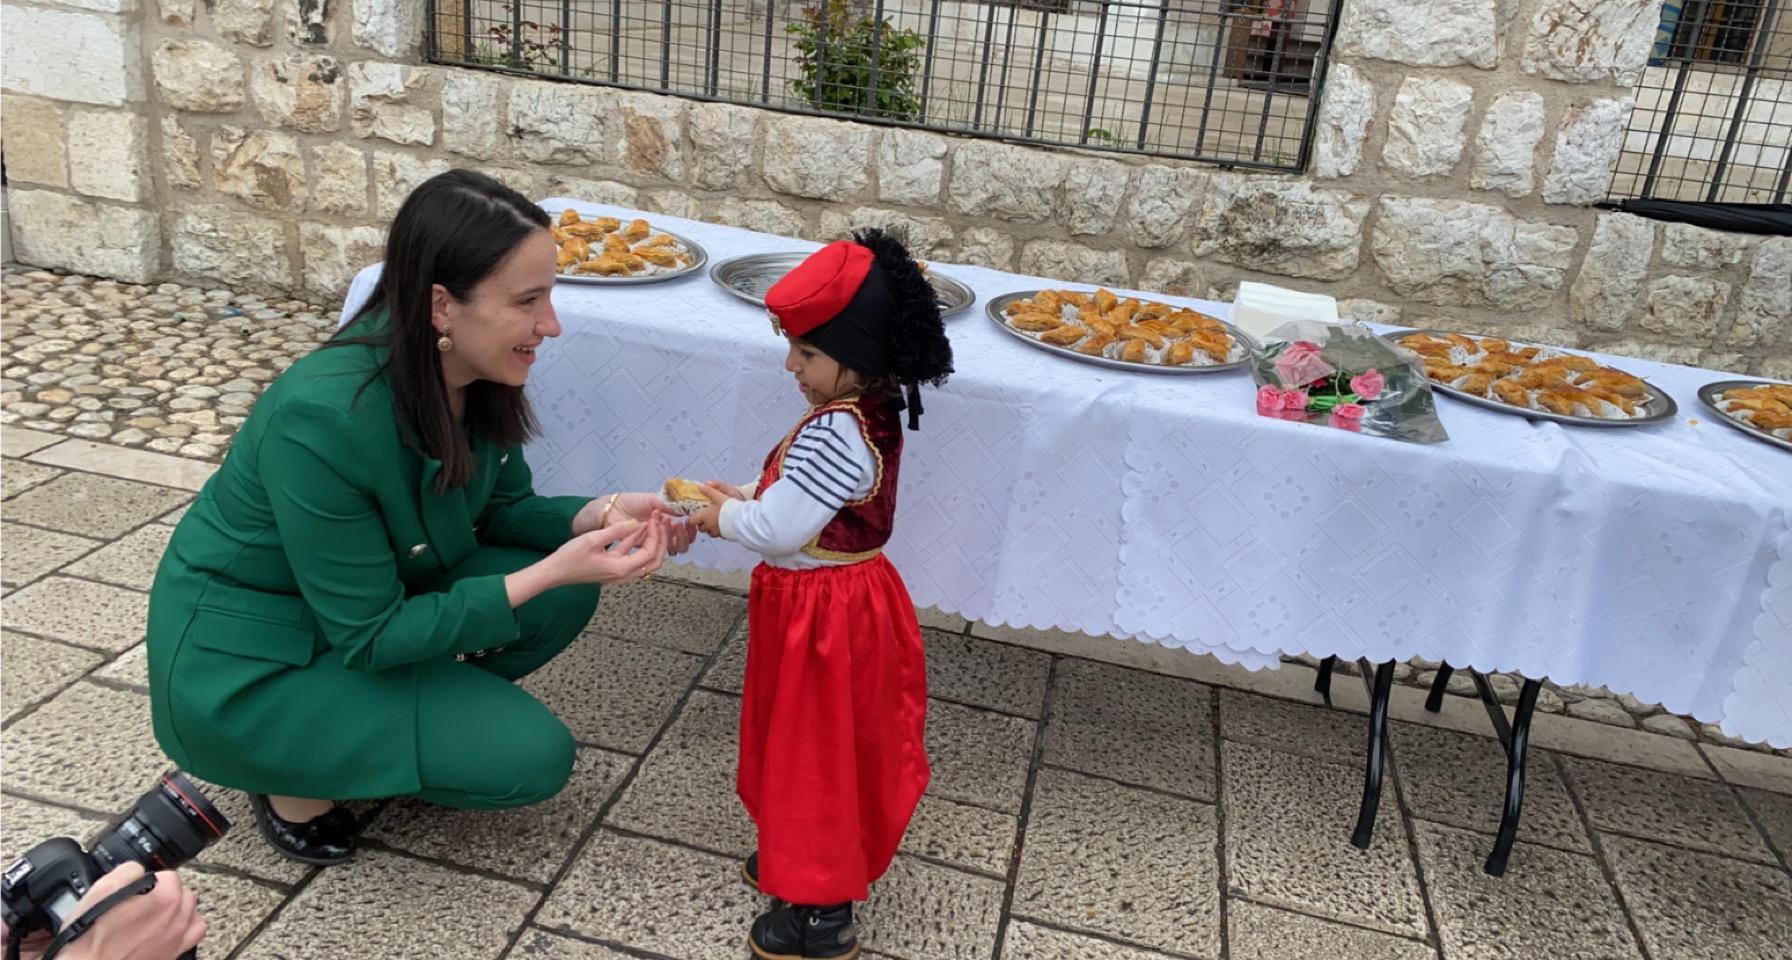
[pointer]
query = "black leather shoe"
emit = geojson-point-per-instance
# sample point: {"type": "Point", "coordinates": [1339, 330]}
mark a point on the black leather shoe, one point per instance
{"type": "Point", "coordinates": [323, 840]}
{"type": "Point", "coordinates": [798, 932]}
{"type": "Point", "coordinates": [749, 870]}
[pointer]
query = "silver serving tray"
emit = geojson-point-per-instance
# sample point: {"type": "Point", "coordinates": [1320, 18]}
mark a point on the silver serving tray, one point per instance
{"type": "Point", "coordinates": [997, 308]}
{"type": "Point", "coordinates": [1662, 407]}
{"type": "Point", "coordinates": [749, 277]}
{"type": "Point", "coordinates": [699, 257]}
{"type": "Point", "coordinates": [1708, 394]}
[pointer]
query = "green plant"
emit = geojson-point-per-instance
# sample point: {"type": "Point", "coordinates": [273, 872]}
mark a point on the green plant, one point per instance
{"type": "Point", "coordinates": [1102, 136]}
{"type": "Point", "coordinates": [838, 51]}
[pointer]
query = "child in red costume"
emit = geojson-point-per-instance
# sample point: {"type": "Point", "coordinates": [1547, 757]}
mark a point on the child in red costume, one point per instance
{"type": "Point", "coordinates": [832, 758]}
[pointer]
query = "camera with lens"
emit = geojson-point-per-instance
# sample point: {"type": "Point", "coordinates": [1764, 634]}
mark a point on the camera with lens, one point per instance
{"type": "Point", "coordinates": [164, 829]}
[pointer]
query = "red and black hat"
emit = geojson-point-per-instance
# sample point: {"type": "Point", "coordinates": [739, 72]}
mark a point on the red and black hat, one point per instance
{"type": "Point", "coordinates": [866, 303]}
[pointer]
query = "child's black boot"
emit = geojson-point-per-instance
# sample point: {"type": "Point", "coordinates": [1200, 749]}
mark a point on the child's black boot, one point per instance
{"type": "Point", "coordinates": [797, 932]}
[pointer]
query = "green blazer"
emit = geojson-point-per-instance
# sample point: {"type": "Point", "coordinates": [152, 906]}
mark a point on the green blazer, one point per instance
{"type": "Point", "coordinates": [311, 577]}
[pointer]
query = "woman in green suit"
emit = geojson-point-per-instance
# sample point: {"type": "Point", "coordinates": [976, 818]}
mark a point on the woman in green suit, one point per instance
{"type": "Point", "coordinates": [344, 608]}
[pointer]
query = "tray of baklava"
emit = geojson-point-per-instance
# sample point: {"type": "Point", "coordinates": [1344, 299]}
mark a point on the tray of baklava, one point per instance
{"type": "Point", "coordinates": [1534, 380]}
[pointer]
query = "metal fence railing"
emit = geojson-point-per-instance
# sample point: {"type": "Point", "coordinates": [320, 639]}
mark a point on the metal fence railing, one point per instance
{"type": "Point", "coordinates": [1713, 117]}
{"type": "Point", "coordinates": [1234, 82]}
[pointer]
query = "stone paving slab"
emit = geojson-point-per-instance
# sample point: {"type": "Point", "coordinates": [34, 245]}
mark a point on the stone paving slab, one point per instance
{"type": "Point", "coordinates": [978, 757]}
{"type": "Point", "coordinates": [22, 442]}
{"type": "Point", "coordinates": [400, 907]}
{"type": "Point", "coordinates": [1549, 903]}
{"type": "Point", "coordinates": [80, 612]}
{"type": "Point", "coordinates": [685, 788]}
{"type": "Point", "coordinates": [1258, 932]}
{"type": "Point", "coordinates": [1699, 814]}
{"type": "Point", "coordinates": [979, 673]}
{"type": "Point", "coordinates": [17, 476]}
{"type": "Point", "coordinates": [1774, 810]}
{"type": "Point", "coordinates": [34, 670]}
{"type": "Point", "coordinates": [613, 693]}
{"type": "Point", "coordinates": [90, 747]}
{"type": "Point", "coordinates": [1750, 768]}
{"type": "Point", "coordinates": [32, 552]}
{"type": "Point", "coordinates": [1331, 735]}
{"type": "Point", "coordinates": [1135, 727]}
{"type": "Point", "coordinates": [529, 844]}
{"type": "Point", "coordinates": [669, 615]}
{"type": "Point", "coordinates": [127, 562]}
{"type": "Point", "coordinates": [1288, 824]}
{"type": "Point", "coordinates": [90, 505]}
{"type": "Point", "coordinates": [128, 669]}
{"type": "Point", "coordinates": [729, 669]}
{"type": "Point", "coordinates": [142, 465]}
{"type": "Point", "coordinates": [965, 836]}
{"type": "Point", "coordinates": [922, 911]}
{"type": "Point", "coordinates": [1030, 941]}
{"type": "Point", "coordinates": [541, 945]}
{"type": "Point", "coordinates": [1460, 780]}
{"type": "Point", "coordinates": [671, 900]}
{"type": "Point", "coordinates": [26, 823]}
{"type": "Point", "coordinates": [1698, 906]}
{"type": "Point", "coordinates": [1121, 861]}
{"type": "Point", "coordinates": [232, 907]}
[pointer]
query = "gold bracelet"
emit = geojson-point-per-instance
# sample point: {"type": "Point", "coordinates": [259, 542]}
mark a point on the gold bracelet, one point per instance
{"type": "Point", "coordinates": [603, 518]}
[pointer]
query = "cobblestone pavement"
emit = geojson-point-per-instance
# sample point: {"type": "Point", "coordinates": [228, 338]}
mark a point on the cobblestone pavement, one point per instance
{"type": "Point", "coordinates": [170, 368]}
{"type": "Point", "coordinates": [1091, 797]}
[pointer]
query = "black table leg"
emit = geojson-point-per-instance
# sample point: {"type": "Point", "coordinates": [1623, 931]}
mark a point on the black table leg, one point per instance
{"type": "Point", "coordinates": [1378, 741]}
{"type": "Point", "coordinates": [1516, 747]}
{"type": "Point", "coordinates": [1434, 701]}
{"type": "Point", "coordinates": [1322, 685]}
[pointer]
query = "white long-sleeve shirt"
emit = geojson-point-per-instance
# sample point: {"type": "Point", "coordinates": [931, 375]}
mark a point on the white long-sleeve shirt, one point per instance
{"type": "Point", "coordinates": [827, 466]}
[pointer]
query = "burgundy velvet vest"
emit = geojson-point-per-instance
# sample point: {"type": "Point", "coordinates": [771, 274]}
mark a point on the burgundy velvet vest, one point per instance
{"type": "Point", "coordinates": [861, 528]}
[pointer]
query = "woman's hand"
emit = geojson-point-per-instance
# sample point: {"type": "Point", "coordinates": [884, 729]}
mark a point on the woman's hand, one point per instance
{"type": "Point", "coordinates": [623, 552]}
{"type": "Point", "coordinates": [640, 507]}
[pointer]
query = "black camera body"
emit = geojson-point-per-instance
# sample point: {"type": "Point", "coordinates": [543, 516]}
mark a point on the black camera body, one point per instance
{"type": "Point", "coordinates": [164, 829]}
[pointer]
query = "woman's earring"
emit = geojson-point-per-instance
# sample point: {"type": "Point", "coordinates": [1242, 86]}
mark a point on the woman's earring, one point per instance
{"type": "Point", "coordinates": [446, 343]}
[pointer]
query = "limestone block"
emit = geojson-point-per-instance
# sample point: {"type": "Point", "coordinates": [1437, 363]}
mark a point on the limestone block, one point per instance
{"type": "Point", "coordinates": [1283, 226]}
{"type": "Point", "coordinates": [1452, 253]}
{"type": "Point", "coordinates": [1506, 148]}
{"type": "Point", "coordinates": [383, 103]}
{"type": "Point", "coordinates": [1606, 293]}
{"type": "Point", "coordinates": [1587, 147]}
{"type": "Point", "coordinates": [108, 154]}
{"type": "Point", "coordinates": [812, 157]}
{"type": "Point", "coordinates": [198, 75]}
{"type": "Point", "coordinates": [1586, 41]}
{"type": "Point", "coordinates": [1425, 127]}
{"type": "Point", "coordinates": [300, 92]}
{"type": "Point", "coordinates": [1344, 114]}
{"type": "Point", "coordinates": [56, 230]}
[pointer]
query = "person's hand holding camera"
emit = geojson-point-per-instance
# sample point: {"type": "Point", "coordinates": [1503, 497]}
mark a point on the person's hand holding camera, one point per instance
{"type": "Point", "coordinates": [159, 925]}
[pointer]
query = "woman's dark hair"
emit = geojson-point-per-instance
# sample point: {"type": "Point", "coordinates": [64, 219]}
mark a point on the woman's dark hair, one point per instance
{"type": "Point", "coordinates": [453, 230]}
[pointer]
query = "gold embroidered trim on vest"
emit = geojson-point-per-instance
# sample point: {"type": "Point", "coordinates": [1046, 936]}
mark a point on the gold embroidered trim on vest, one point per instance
{"type": "Point", "coordinates": [835, 556]}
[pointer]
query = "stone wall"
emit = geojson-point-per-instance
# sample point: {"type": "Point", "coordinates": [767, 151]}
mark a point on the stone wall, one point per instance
{"type": "Point", "coordinates": [263, 144]}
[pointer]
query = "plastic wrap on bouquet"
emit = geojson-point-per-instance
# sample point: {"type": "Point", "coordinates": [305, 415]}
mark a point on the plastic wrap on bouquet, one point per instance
{"type": "Point", "coordinates": [1344, 376]}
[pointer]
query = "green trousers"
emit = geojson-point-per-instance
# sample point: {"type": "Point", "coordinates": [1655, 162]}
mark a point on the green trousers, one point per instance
{"type": "Point", "coordinates": [483, 743]}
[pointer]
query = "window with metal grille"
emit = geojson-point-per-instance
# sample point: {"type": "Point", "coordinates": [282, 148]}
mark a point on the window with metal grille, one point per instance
{"type": "Point", "coordinates": [1234, 82]}
{"type": "Point", "coordinates": [1713, 117]}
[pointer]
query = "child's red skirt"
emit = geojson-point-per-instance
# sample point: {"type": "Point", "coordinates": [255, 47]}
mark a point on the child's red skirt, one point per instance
{"type": "Point", "coordinates": [833, 757]}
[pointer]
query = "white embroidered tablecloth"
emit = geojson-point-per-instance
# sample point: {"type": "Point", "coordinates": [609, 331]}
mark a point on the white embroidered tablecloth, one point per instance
{"type": "Point", "coordinates": [1047, 493]}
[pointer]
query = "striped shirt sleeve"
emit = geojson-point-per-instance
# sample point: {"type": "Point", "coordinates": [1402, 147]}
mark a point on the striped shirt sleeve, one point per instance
{"type": "Point", "coordinates": [827, 466]}
{"type": "Point", "coordinates": [830, 462]}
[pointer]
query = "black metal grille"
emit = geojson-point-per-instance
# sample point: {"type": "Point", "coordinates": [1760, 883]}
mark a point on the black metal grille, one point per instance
{"type": "Point", "coordinates": [1234, 82]}
{"type": "Point", "coordinates": [1713, 118]}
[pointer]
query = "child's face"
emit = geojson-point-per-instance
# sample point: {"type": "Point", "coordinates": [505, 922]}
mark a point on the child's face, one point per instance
{"type": "Point", "coordinates": [820, 377]}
